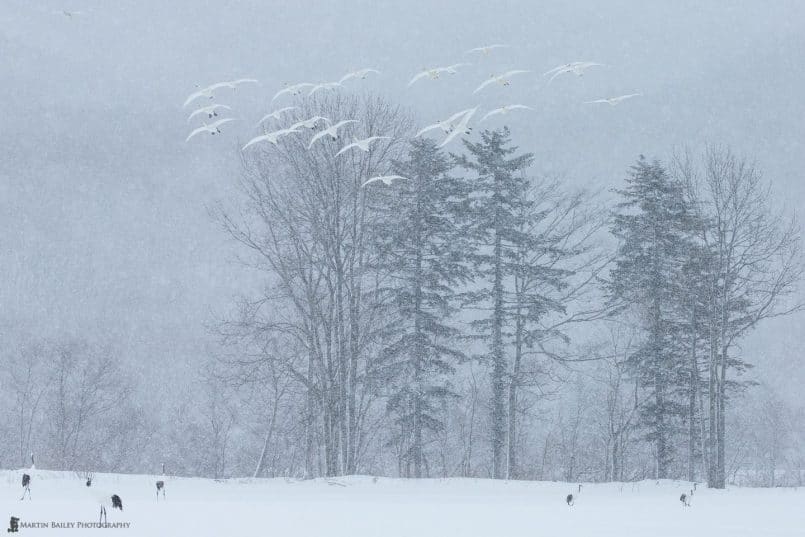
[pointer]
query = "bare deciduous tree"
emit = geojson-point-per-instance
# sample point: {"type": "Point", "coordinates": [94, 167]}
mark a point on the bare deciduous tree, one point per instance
{"type": "Point", "coordinates": [755, 263]}
{"type": "Point", "coordinates": [307, 220]}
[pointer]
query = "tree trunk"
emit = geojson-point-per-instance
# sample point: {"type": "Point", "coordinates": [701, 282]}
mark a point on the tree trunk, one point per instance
{"type": "Point", "coordinates": [418, 360]}
{"type": "Point", "coordinates": [712, 411]}
{"type": "Point", "coordinates": [498, 359]}
{"type": "Point", "coordinates": [511, 467]}
{"type": "Point", "coordinates": [692, 400]}
{"type": "Point", "coordinates": [721, 473]}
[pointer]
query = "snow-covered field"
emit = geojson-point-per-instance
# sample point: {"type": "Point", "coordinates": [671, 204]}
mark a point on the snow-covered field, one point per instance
{"type": "Point", "coordinates": [358, 506]}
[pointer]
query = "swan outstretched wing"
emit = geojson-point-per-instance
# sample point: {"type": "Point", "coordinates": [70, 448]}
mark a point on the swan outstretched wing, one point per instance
{"type": "Point", "coordinates": [255, 140]}
{"type": "Point", "coordinates": [347, 148]}
{"type": "Point", "coordinates": [586, 65]}
{"type": "Point", "coordinates": [203, 92]}
{"type": "Point", "coordinates": [486, 48]}
{"type": "Point", "coordinates": [504, 109]}
{"type": "Point", "coordinates": [276, 113]}
{"type": "Point", "coordinates": [244, 81]}
{"type": "Point", "coordinates": [318, 136]}
{"type": "Point", "coordinates": [565, 66]}
{"type": "Point", "coordinates": [324, 85]}
{"type": "Point", "coordinates": [342, 123]}
{"type": "Point", "coordinates": [629, 96]}
{"type": "Point", "coordinates": [485, 84]}
{"type": "Point", "coordinates": [513, 72]}
{"type": "Point", "coordinates": [420, 76]}
{"type": "Point", "coordinates": [560, 72]}
{"type": "Point", "coordinates": [614, 100]}
{"type": "Point", "coordinates": [361, 144]}
{"type": "Point", "coordinates": [386, 179]}
{"type": "Point", "coordinates": [428, 128]}
{"type": "Point", "coordinates": [199, 130]}
{"type": "Point", "coordinates": [452, 69]}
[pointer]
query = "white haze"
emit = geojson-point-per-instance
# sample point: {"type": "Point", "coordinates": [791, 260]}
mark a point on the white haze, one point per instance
{"type": "Point", "coordinates": [104, 228]}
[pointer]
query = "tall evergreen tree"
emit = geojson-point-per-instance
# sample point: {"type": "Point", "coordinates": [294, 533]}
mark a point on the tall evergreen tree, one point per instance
{"type": "Point", "coordinates": [494, 226]}
{"type": "Point", "coordinates": [422, 252]}
{"type": "Point", "coordinates": [653, 223]}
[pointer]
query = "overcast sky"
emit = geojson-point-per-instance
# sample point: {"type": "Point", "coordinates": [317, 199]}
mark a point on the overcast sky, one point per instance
{"type": "Point", "coordinates": [104, 228]}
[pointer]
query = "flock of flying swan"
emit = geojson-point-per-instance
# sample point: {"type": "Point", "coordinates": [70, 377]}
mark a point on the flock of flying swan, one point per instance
{"type": "Point", "coordinates": [332, 131]}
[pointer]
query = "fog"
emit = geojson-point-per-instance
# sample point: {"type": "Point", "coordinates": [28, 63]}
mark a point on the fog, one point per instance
{"type": "Point", "coordinates": [105, 209]}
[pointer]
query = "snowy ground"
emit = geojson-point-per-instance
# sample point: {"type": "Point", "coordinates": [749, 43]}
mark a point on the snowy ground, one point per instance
{"type": "Point", "coordinates": [358, 506]}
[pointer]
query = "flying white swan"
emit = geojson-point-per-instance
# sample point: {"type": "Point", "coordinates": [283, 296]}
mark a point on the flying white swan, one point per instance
{"type": "Point", "coordinates": [212, 128]}
{"type": "Point", "coordinates": [203, 92]}
{"type": "Point", "coordinates": [235, 83]}
{"type": "Point", "coordinates": [505, 110]}
{"type": "Point", "coordinates": [385, 179]}
{"type": "Point", "coordinates": [448, 125]}
{"type": "Point", "coordinates": [435, 72]}
{"type": "Point", "coordinates": [360, 73]}
{"type": "Point", "coordinates": [500, 79]}
{"type": "Point", "coordinates": [209, 110]}
{"type": "Point", "coordinates": [332, 131]}
{"type": "Point", "coordinates": [208, 92]}
{"type": "Point", "coordinates": [276, 114]}
{"type": "Point", "coordinates": [577, 68]}
{"type": "Point", "coordinates": [271, 137]}
{"type": "Point", "coordinates": [612, 101]}
{"type": "Point", "coordinates": [310, 123]}
{"type": "Point", "coordinates": [363, 145]}
{"type": "Point", "coordinates": [293, 90]}
{"type": "Point", "coordinates": [486, 49]}
{"type": "Point", "coordinates": [461, 127]}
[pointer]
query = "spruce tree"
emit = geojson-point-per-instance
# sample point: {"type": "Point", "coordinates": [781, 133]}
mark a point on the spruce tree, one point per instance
{"type": "Point", "coordinates": [422, 253]}
{"type": "Point", "coordinates": [493, 215]}
{"type": "Point", "coordinates": [653, 224]}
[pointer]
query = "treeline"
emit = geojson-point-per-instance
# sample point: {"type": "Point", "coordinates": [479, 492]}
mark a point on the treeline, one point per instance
{"type": "Point", "coordinates": [475, 319]}
{"type": "Point", "coordinates": [383, 301]}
